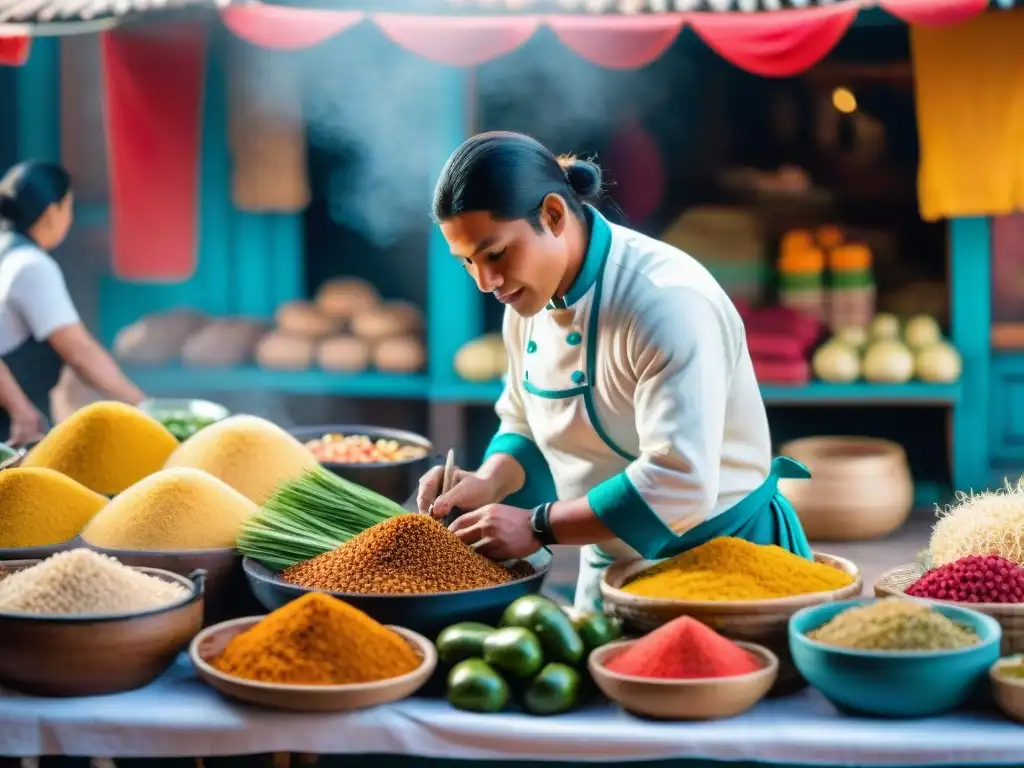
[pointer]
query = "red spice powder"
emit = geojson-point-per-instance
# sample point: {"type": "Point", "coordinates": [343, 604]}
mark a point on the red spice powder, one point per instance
{"type": "Point", "coordinates": [684, 649]}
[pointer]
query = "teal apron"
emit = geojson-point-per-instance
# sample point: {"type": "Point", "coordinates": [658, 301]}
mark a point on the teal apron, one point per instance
{"type": "Point", "coordinates": [765, 516]}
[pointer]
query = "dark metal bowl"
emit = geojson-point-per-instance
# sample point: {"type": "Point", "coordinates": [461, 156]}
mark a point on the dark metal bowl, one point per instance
{"type": "Point", "coordinates": [395, 480]}
{"type": "Point", "coordinates": [426, 614]}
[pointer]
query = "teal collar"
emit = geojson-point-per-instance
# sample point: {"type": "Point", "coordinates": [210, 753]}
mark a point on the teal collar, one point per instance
{"type": "Point", "coordinates": [593, 260]}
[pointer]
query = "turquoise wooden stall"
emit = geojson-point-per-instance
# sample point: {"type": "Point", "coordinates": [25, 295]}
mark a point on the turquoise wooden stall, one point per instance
{"type": "Point", "coordinates": [985, 447]}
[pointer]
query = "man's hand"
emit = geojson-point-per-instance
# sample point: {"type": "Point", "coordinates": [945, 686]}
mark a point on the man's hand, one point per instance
{"type": "Point", "coordinates": [498, 531]}
{"type": "Point", "coordinates": [469, 491]}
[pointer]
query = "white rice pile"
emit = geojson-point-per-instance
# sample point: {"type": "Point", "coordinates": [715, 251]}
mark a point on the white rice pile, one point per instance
{"type": "Point", "coordinates": [82, 582]}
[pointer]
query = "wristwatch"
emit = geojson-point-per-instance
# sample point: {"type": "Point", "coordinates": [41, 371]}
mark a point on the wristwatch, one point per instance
{"type": "Point", "coordinates": [540, 521]}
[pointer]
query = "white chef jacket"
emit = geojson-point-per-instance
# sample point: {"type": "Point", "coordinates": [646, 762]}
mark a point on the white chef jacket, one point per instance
{"type": "Point", "coordinates": [636, 390]}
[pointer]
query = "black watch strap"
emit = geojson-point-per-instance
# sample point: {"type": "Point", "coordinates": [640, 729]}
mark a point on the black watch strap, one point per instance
{"type": "Point", "coordinates": [540, 521]}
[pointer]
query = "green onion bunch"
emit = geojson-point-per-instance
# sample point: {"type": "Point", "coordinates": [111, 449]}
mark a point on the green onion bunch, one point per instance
{"type": "Point", "coordinates": [313, 514]}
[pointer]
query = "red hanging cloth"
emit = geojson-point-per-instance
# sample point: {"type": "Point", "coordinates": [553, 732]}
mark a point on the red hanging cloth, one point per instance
{"type": "Point", "coordinates": [153, 88]}
{"type": "Point", "coordinates": [618, 42]}
{"type": "Point", "coordinates": [777, 44]}
{"type": "Point", "coordinates": [458, 41]}
{"type": "Point", "coordinates": [14, 50]}
{"type": "Point", "coordinates": [934, 13]}
{"type": "Point", "coordinates": [282, 28]}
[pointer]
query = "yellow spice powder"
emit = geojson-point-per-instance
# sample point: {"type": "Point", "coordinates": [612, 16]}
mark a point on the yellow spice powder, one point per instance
{"type": "Point", "coordinates": [172, 510]}
{"type": "Point", "coordinates": [250, 454]}
{"type": "Point", "coordinates": [728, 568]}
{"type": "Point", "coordinates": [39, 507]}
{"type": "Point", "coordinates": [105, 446]}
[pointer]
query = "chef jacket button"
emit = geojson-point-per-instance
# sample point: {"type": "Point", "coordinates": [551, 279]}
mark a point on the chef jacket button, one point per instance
{"type": "Point", "coordinates": [578, 377]}
{"type": "Point", "coordinates": [531, 346]}
{"type": "Point", "coordinates": [574, 338]}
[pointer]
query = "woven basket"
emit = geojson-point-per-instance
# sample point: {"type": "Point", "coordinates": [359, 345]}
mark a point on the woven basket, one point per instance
{"type": "Point", "coordinates": [1010, 616]}
{"type": "Point", "coordinates": [763, 622]}
{"type": "Point", "coordinates": [860, 487]}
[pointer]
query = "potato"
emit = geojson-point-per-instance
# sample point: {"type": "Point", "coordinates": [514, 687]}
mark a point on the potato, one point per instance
{"type": "Point", "coordinates": [223, 344]}
{"type": "Point", "coordinates": [397, 318]}
{"type": "Point", "coordinates": [482, 359]}
{"type": "Point", "coordinates": [157, 339]}
{"type": "Point", "coordinates": [301, 318]}
{"type": "Point", "coordinates": [345, 297]}
{"type": "Point", "coordinates": [281, 351]}
{"type": "Point", "coordinates": [401, 354]}
{"type": "Point", "coordinates": [344, 354]}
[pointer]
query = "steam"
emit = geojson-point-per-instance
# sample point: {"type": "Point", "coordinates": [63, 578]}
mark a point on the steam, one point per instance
{"type": "Point", "coordinates": [379, 110]}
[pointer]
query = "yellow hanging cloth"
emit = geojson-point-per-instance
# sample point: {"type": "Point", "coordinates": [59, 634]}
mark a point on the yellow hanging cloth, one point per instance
{"type": "Point", "coordinates": [969, 91]}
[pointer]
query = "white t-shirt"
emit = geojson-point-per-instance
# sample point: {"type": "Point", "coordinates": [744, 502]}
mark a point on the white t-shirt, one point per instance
{"type": "Point", "coordinates": [34, 298]}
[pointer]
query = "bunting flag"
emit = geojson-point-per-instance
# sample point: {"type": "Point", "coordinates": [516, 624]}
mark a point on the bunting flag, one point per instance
{"type": "Point", "coordinates": [14, 50]}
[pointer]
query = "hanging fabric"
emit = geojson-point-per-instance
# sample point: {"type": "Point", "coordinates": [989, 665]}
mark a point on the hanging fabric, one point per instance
{"type": "Point", "coordinates": [780, 44]}
{"type": "Point", "coordinates": [286, 29]}
{"type": "Point", "coordinates": [14, 50]}
{"type": "Point", "coordinates": [267, 131]}
{"type": "Point", "coordinates": [153, 94]}
{"type": "Point", "coordinates": [458, 41]}
{"type": "Point", "coordinates": [618, 42]}
{"type": "Point", "coordinates": [969, 98]}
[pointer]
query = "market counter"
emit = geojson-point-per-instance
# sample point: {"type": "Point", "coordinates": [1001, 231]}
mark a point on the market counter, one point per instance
{"type": "Point", "coordinates": [177, 716]}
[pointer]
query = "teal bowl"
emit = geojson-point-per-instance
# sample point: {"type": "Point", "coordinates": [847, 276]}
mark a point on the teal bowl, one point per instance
{"type": "Point", "coordinates": [894, 684]}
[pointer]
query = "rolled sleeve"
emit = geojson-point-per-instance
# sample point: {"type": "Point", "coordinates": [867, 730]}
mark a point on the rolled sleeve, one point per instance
{"type": "Point", "coordinates": [683, 356]}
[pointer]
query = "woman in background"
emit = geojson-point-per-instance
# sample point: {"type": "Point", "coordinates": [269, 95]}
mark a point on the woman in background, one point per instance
{"type": "Point", "coordinates": [40, 329]}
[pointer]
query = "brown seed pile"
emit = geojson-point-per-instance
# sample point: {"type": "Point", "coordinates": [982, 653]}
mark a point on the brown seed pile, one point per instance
{"type": "Point", "coordinates": [408, 554]}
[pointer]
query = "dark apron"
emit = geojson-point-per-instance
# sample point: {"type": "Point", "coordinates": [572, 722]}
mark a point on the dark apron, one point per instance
{"type": "Point", "coordinates": [35, 365]}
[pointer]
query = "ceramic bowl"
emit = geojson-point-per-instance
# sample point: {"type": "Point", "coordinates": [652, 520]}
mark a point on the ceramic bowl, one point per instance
{"type": "Point", "coordinates": [711, 698]}
{"type": "Point", "coordinates": [92, 655]}
{"type": "Point", "coordinates": [40, 553]}
{"type": "Point", "coordinates": [212, 641]}
{"type": "Point", "coordinates": [426, 613]}
{"type": "Point", "coordinates": [1007, 691]}
{"type": "Point", "coordinates": [395, 480]}
{"type": "Point", "coordinates": [895, 684]}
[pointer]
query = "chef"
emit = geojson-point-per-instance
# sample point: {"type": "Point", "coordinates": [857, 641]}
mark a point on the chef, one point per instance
{"type": "Point", "coordinates": [631, 420]}
{"type": "Point", "coordinates": [40, 329]}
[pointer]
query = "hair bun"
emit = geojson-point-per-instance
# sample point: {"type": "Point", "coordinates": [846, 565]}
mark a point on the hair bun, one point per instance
{"type": "Point", "coordinates": [584, 177]}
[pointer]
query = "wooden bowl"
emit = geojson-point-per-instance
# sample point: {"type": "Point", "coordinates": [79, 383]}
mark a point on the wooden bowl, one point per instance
{"type": "Point", "coordinates": [860, 487]}
{"type": "Point", "coordinates": [1010, 616]}
{"type": "Point", "coordinates": [755, 621]}
{"type": "Point", "coordinates": [1008, 692]}
{"type": "Point", "coordinates": [93, 655]}
{"type": "Point", "coordinates": [40, 553]}
{"type": "Point", "coordinates": [710, 698]}
{"type": "Point", "coordinates": [227, 592]}
{"type": "Point", "coordinates": [212, 641]}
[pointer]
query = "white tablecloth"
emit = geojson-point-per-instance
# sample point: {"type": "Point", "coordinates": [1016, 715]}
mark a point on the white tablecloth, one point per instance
{"type": "Point", "coordinates": [178, 716]}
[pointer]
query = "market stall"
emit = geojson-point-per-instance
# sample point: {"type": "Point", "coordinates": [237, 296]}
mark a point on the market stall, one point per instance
{"type": "Point", "coordinates": [163, 255]}
{"type": "Point", "coordinates": [361, 628]}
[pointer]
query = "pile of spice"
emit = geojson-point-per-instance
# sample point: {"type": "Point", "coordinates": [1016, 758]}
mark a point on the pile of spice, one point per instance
{"type": "Point", "coordinates": [172, 510]}
{"type": "Point", "coordinates": [85, 583]}
{"type": "Point", "coordinates": [728, 568]}
{"type": "Point", "coordinates": [407, 554]}
{"type": "Point", "coordinates": [684, 649]}
{"type": "Point", "coordinates": [39, 507]}
{"type": "Point", "coordinates": [894, 625]}
{"type": "Point", "coordinates": [105, 446]}
{"type": "Point", "coordinates": [973, 579]}
{"type": "Point", "coordinates": [317, 640]}
{"type": "Point", "coordinates": [252, 455]}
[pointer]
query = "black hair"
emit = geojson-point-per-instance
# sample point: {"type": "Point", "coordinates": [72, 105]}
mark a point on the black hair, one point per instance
{"type": "Point", "coordinates": [509, 175]}
{"type": "Point", "coordinates": [27, 190]}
